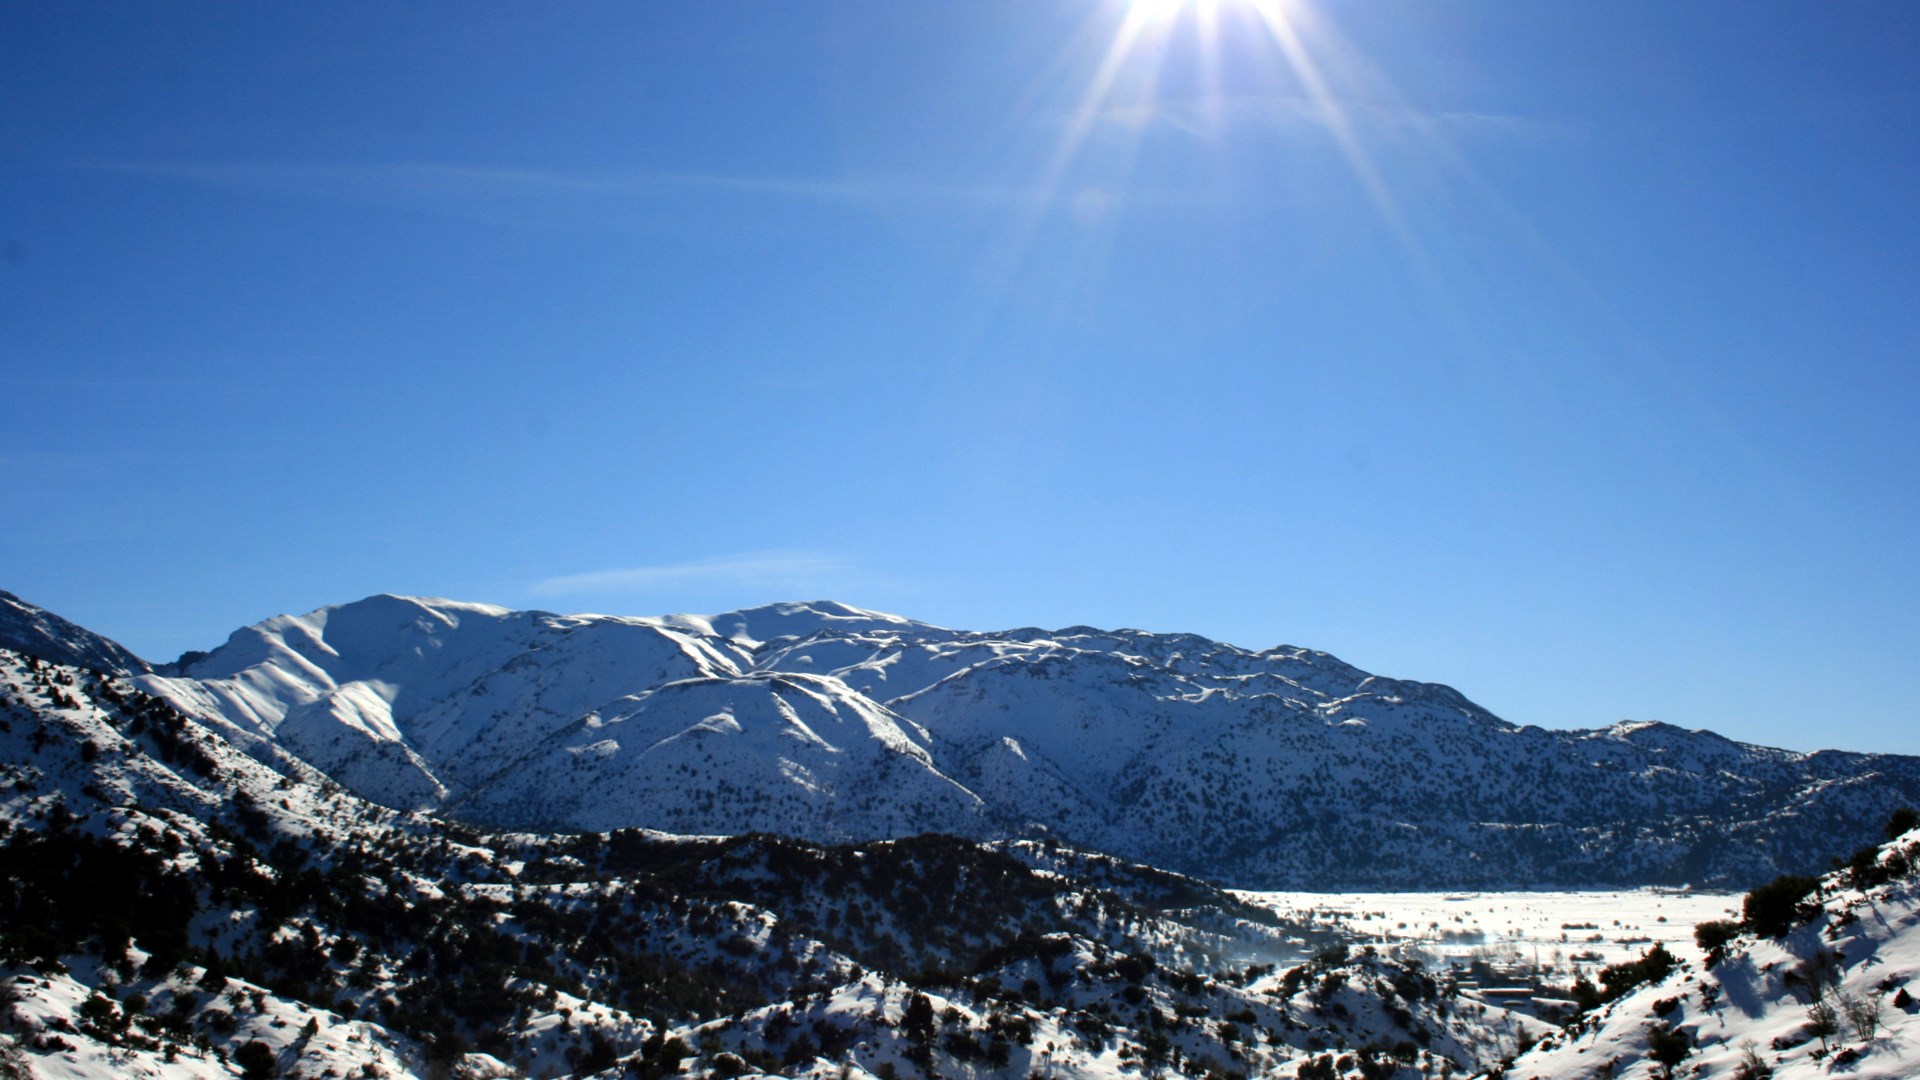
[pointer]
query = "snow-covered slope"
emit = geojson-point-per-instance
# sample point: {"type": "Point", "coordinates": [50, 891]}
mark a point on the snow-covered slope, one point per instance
{"type": "Point", "coordinates": [409, 702]}
{"type": "Point", "coordinates": [800, 755]}
{"type": "Point", "coordinates": [1272, 769]}
{"type": "Point", "coordinates": [1854, 957]}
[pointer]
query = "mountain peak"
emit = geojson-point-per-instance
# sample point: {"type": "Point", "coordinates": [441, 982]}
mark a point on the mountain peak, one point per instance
{"type": "Point", "coordinates": [756, 626]}
{"type": "Point", "coordinates": [438, 605]}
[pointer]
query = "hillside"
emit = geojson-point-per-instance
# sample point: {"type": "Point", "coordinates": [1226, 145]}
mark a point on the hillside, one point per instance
{"type": "Point", "coordinates": [1825, 989]}
{"type": "Point", "coordinates": [1282, 768]}
{"type": "Point", "coordinates": [35, 631]}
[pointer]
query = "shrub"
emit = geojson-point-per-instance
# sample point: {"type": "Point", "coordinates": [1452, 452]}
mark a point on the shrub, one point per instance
{"type": "Point", "coordinates": [100, 1013]}
{"type": "Point", "coordinates": [1898, 865]}
{"type": "Point", "coordinates": [1668, 1046]}
{"type": "Point", "coordinates": [256, 1060]}
{"type": "Point", "coordinates": [1320, 1068]}
{"type": "Point", "coordinates": [801, 1051]}
{"type": "Point", "coordinates": [1134, 967]}
{"type": "Point", "coordinates": [1586, 996]}
{"type": "Point", "coordinates": [1620, 979]}
{"type": "Point", "coordinates": [1778, 906]}
{"type": "Point", "coordinates": [1864, 869]}
{"type": "Point", "coordinates": [1904, 820]}
{"type": "Point", "coordinates": [1714, 936]}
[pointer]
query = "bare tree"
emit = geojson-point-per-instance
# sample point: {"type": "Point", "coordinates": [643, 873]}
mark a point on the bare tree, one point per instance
{"type": "Point", "coordinates": [1863, 1013]}
{"type": "Point", "coordinates": [1819, 973]}
{"type": "Point", "coordinates": [1823, 1020]}
{"type": "Point", "coordinates": [1752, 1065]}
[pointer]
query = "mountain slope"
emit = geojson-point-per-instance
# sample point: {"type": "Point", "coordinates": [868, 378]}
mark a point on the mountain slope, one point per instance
{"type": "Point", "coordinates": [35, 631]}
{"type": "Point", "coordinates": [798, 755]}
{"type": "Point", "coordinates": [409, 702]}
{"type": "Point", "coordinates": [1272, 769]}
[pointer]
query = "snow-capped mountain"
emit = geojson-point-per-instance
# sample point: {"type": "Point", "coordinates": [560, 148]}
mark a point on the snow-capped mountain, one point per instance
{"type": "Point", "coordinates": [285, 927]}
{"type": "Point", "coordinates": [1278, 768]}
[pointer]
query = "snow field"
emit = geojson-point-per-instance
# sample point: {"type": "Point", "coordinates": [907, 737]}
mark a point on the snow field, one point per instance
{"type": "Point", "coordinates": [1565, 931]}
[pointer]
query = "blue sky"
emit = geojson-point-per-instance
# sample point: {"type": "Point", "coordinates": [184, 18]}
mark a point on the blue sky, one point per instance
{"type": "Point", "coordinates": [1563, 353]}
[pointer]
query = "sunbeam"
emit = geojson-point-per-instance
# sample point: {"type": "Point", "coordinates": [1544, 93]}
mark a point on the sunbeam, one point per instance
{"type": "Point", "coordinates": [1283, 20]}
{"type": "Point", "coordinates": [1127, 80]}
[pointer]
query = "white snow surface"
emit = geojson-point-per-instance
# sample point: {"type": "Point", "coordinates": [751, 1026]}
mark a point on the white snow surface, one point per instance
{"type": "Point", "coordinates": [796, 750]}
{"type": "Point", "coordinates": [1565, 930]}
{"type": "Point", "coordinates": [1751, 999]}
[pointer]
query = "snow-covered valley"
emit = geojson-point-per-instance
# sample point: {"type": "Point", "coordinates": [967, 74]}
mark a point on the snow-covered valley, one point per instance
{"type": "Point", "coordinates": [1564, 932]}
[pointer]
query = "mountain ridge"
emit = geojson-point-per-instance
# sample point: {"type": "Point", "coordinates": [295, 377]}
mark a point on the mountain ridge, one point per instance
{"type": "Point", "coordinates": [1282, 767]}
{"type": "Point", "coordinates": [33, 630]}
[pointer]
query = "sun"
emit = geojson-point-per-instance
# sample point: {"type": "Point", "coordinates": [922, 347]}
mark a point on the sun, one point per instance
{"type": "Point", "coordinates": [1125, 93]}
{"type": "Point", "coordinates": [1128, 76]}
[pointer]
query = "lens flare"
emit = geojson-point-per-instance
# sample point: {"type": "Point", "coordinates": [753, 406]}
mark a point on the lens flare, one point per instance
{"type": "Point", "coordinates": [1127, 79]}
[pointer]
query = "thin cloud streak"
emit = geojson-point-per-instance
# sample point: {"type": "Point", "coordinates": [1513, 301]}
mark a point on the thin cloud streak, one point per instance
{"type": "Point", "coordinates": [625, 199]}
{"type": "Point", "coordinates": [766, 569]}
{"type": "Point", "coordinates": [465, 189]}
{"type": "Point", "coordinates": [1211, 117]}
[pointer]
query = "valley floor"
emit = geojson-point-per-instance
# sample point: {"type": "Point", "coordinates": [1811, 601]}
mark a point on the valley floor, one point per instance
{"type": "Point", "coordinates": [1559, 931]}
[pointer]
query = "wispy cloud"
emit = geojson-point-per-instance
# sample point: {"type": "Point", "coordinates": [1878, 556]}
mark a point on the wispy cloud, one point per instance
{"type": "Point", "coordinates": [360, 179]}
{"type": "Point", "coordinates": [760, 569]}
{"type": "Point", "coordinates": [506, 194]}
{"type": "Point", "coordinates": [599, 199]}
{"type": "Point", "coordinates": [1209, 117]}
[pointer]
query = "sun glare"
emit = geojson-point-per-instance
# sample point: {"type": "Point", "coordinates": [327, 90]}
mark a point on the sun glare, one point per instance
{"type": "Point", "coordinates": [1127, 81]}
{"type": "Point", "coordinates": [1156, 9]}
{"type": "Point", "coordinates": [1196, 66]}
{"type": "Point", "coordinates": [1167, 10]}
